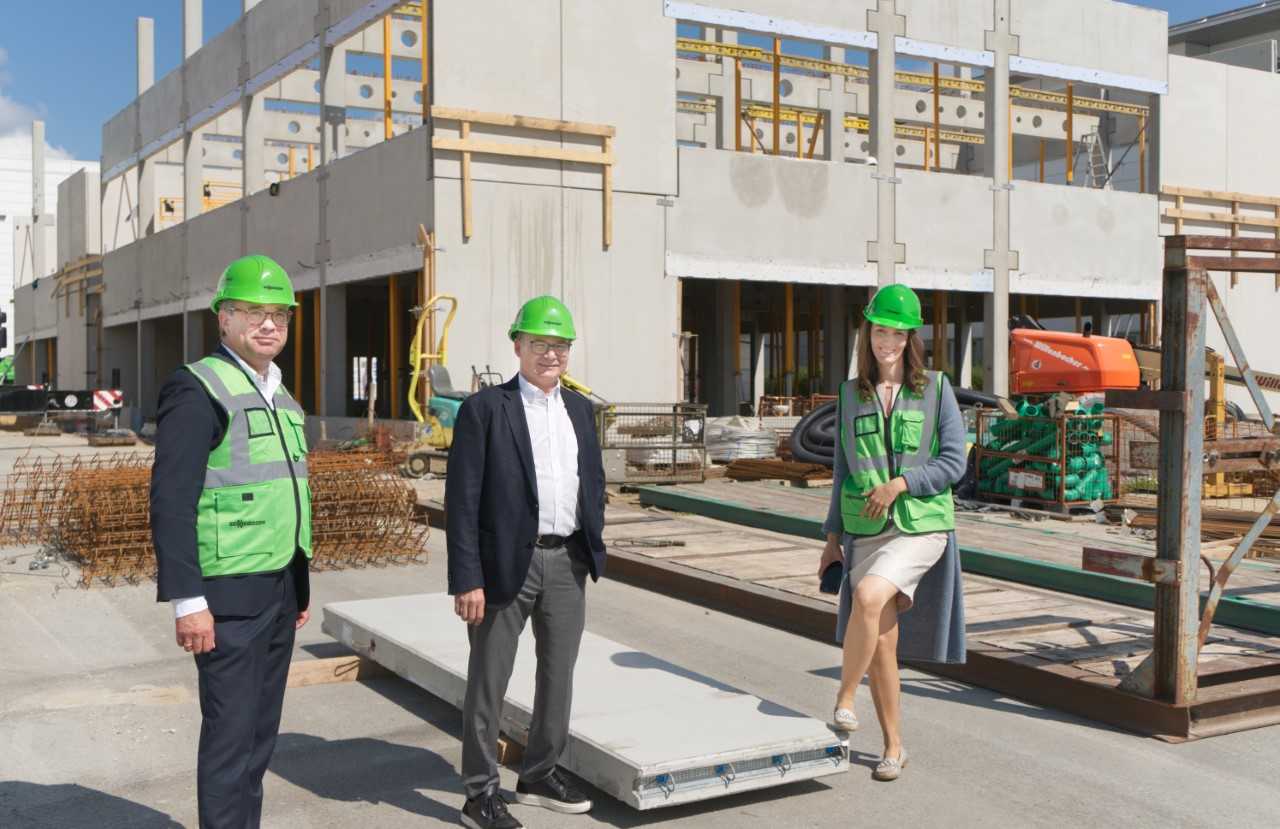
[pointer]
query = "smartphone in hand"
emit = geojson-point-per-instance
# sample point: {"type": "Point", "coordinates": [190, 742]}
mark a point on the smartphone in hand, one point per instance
{"type": "Point", "coordinates": [831, 578]}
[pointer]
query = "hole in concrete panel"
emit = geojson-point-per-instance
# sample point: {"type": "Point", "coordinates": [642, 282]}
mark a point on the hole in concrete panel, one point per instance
{"type": "Point", "coordinates": [791, 138]}
{"type": "Point", "coordinates": [366, 91]}
{"type": "Point", "coordinates": [295, 127]}
{"type": "Point", "coordinates": [408, 38]}
{"type": "Point", "coordinates": [1037, 121]}
{"type": "Point", "coordinates": [368, 134]}
{"type": "Point", "coordinates": [961, 111]}
{"type": "Point", "coordinates": [237, 154]}
{"type": "Point", "coordinates": [901, 150]}
{"type": "Point", "coordinates": [283, 158]}
{"type": "Point", "coordinates": [981, 114]}
{"type": "Point", "coordinates": [1064, 125]}
{"type": "Point", "coordinates": [204, 151]}
{"type": "Point", "coordinates": [759, 132]}
{"type": "Point", "coordinates": [1019, 119]}
{"type": "Point", "coordinates": [785, 88]}
{"type": "Point", "coordinates": [866, 146]}
{"type": "Point", "coordinates": [417, 97]}
{"type": "Point", "coordinates": [921, 106]}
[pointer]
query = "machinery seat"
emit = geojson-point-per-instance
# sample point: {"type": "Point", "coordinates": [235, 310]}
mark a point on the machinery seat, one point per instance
{"type": "Point", "coordinates": [442, 386]}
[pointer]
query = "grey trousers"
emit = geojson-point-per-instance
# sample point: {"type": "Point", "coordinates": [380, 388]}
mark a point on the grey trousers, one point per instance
{"type": "Point", "coordinates": [554, 594]}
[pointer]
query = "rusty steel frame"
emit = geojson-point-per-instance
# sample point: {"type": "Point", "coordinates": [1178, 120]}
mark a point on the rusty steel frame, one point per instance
{"type": "Point", "coordinates": [1170, 672]}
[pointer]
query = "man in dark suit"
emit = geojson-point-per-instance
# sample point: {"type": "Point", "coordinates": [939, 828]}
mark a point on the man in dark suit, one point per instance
{"type": "Point", "coordinates": [231, 522]}
{"type": "Point", "coordinates": [525, 508]}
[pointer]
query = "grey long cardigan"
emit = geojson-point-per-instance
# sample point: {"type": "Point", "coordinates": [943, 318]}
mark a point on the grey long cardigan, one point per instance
{"type": "Point", "coordinates": [933, 629]}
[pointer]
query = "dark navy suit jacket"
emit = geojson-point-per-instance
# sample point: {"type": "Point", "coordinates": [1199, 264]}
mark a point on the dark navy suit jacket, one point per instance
{"type": "Point", "coordinates": [491, 495]}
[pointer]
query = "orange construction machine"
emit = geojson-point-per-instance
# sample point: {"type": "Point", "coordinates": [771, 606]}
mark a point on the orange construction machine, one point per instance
{"type": "Point", "coordinates": [1048, 362]}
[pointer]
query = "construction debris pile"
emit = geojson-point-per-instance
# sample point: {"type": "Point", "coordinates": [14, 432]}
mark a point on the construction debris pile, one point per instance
{"type": "Point", "coordinates": [94, 510]}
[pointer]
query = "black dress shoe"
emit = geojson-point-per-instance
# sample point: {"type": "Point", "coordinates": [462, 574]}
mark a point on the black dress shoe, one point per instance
{"type": "Point", "coordinates": [553, 792]}
{"type": "Point", "coordinates": [488, 811]}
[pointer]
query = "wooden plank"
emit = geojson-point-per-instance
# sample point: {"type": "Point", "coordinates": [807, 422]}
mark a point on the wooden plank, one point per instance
{"type": "Point", "coordinates": [349, 668]}
{"type": "Point", "coordinates": [465, 130]}
{"type": "Point", "coordinates": [1219, 195]}
{"type": "Point", "coordinates": [1223, 218]}
{"type": "Point", "coordinates": [606, 186]}
{"type": "Point", "coordinates": [528, 122]}
{"type": "Point", "coordinates": [476, 145]}
{"type": "Point", "coordinates": [753, 566]}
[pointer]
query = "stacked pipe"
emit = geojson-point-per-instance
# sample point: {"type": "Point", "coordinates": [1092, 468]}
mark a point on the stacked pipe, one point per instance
{"type": "Point", "coordinates": [1036, 443]}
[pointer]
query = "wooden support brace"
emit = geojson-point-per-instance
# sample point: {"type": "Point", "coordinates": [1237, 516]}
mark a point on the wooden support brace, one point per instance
{"type": "Point", "coordinates": [606, 146]}
{"type": "Point", "coordinates": [465, 132]}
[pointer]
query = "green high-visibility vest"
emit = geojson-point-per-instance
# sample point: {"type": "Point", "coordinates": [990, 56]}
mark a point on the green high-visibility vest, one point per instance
{"type": "Point", "coordinates": [255, 511]}
{"type": "Point", "coordinates": [913, 427]}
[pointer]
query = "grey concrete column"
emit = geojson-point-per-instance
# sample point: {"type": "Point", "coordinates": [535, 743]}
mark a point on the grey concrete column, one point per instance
{"type": "Point", "coordinates": [148, 388]}
{"type": "Point", "coordinates": [192, 140]}
{"type": "Point", "coordinates": [194, 334]}
{"type": "Point", "coordinates": [253, 149]}
{"type": "Point", "coordinates": [39, 221]}
{"type": "Point", "coordinates": [724, 88]}
{"type": "Point", "coordinates": [146, 209]}
{"type": "Point", "coordinates": [833, 102]}
{"type": "Point", "coordinates": [333, 102]}
{"type": "Point", "coordinates": [722, 385]}
{"type": "Point", "coordinates": [885, 250]}
{"type": "Point", "coordinates": [835, 338]}
{"type": "Point", "coordinates": [336, 370]}
{"type": "Point", "coordinates": [758, 364]}
{"type": "Point", "coordinates": [962, 353]}
{"type": "Point", "coordinates": [999, 258]}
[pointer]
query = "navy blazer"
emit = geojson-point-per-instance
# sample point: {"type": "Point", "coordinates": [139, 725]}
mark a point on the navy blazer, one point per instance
{"type": "Point", "coordinates": [491, 494]}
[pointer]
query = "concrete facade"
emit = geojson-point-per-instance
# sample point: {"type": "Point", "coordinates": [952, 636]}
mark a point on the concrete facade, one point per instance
{"type": "Point", "coordinates": [343, 212]}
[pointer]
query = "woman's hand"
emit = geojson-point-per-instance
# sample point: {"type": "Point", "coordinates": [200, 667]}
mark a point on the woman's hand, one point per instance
{"type": "Point", "coordinates": [880, 499]}
{"type": "Point", "coordinates": [830, 553]}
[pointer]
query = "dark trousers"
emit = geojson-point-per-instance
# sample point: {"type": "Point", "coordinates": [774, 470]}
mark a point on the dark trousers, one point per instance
{"type": "Point", "coordinates": [242, 683]}
{"type": "Point", "coordinates": [554, 595]}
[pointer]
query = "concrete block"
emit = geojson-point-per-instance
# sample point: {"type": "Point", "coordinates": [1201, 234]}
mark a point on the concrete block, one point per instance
{"type": "Point", "coordinates": [645, 731]}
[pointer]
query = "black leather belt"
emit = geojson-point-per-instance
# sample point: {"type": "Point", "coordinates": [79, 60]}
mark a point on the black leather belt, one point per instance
{"type": "Point", "coordinates": [551, 541]}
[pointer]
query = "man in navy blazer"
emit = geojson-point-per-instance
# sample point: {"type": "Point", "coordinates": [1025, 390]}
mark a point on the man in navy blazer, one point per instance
{"type": "Point", "coordinates": [524, 502]}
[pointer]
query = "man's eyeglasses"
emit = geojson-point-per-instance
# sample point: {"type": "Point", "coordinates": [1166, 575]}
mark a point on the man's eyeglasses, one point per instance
{"type": "Point", "coordinates": [542, 347]}
{"type": "Point", "coordinates": [257, 316]}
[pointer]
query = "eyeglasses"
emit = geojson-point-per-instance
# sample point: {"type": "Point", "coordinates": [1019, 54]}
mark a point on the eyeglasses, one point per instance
{"type": "Point", "coordinates": [257, 316]}
{"type": "Point", "coordinates": [542, 347]}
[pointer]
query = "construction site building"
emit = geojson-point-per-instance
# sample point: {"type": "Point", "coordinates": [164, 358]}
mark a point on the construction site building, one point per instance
{"type": "Point", "coordinates": [714, 188]}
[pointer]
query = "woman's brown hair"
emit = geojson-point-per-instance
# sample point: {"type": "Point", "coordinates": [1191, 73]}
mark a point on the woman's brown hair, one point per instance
{"type": "Point", "coordinates": [869, 370]}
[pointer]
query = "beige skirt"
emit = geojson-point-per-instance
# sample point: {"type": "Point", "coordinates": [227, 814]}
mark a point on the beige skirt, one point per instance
{"type": "Point", "coordinates": [899, 558]}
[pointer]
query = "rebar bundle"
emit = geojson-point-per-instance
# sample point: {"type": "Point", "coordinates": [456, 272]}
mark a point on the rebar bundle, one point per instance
{"type": "Point", "coordinates": [94, 510]}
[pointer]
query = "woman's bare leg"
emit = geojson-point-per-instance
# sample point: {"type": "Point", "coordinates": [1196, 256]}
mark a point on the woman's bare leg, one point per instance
{"type": "Point", "coordinates": [886, 690]}
{"type": "Point", "coordinates": [870, 598]}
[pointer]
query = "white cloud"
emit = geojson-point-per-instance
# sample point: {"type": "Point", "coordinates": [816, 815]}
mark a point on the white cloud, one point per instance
{"type": "Point", "coordinates": [15, 123]}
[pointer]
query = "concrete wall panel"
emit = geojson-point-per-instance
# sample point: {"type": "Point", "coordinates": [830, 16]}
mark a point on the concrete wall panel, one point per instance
{"type": "Point", "coordinates": [214, 70]}
{"type": "Point", "coordinates": [79, 211]}
{"type": "Point", "coordinates": [837, 14]}
{"type": "Point", "coordinates": [284, 226]}
{"type": "Point", "coordinates": [160, 106]}
{"type": "Point", "coordinates": [120, 275]}
{"type": "Point", "coordinates": [1193, 120]}
{"type": "Point", "coordinates": [1252, 127]}
{"type": "Point", "coordinates": [945, 222]}
{"type": "Point", "coordinates": [384, 195]}
{"type": "Point", "coordinates": [212, 242]}
{"type": "Point", "coordinates": [741, 216]}
{"type": "Point", "coordinates": [278, 27]}
{"type": "Point", "coordinates": [44, 311]}
{"type": "Point", "coordinates": [160, 267]}
{"type": "Point", "coordinates": [962, 23]}
{"type": "Point", "coordinates": [1077, 241]}
{"type": "Point", "coordinates": [119, 201]}
{"type": "Point", "coordinates": [118, 136]}
{"type": "Point", "coordinates": [1097, 34]}
{"type": "Point", "coordinates": [616, 60]}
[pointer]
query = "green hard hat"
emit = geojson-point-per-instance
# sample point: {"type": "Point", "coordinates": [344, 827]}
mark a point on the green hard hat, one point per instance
{"type": "Point", "coordinates": [258, 279]}
{"type": "Point", "coordinates": [895, 306]}
{"type": "Point", "coordinates": [544, 316]}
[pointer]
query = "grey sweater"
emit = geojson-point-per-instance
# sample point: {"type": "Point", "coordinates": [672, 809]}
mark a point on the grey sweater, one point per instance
{"type": "Point", "coordinates": [933, 629]}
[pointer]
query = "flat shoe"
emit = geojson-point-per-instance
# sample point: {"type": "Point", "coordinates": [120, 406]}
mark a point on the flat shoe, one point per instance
{"type": "Point", "coordinates": [890, 768]}
{"type": "Point", "coordinates": [844, 720]}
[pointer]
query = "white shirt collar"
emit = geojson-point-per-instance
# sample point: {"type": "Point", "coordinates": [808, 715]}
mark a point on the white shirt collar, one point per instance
{"type": "Point", "coordinates": [532, 393]}
{"type": "Point", "coordinates": [274, 374]}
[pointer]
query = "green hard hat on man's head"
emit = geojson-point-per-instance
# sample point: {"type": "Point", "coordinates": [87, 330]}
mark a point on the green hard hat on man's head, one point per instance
{"type": "Point", "coordinates": [257, 279]}
{"type": "Point", "coordinates": [895, 306]}
{"type": "Point", "coordinates": [544, 316]}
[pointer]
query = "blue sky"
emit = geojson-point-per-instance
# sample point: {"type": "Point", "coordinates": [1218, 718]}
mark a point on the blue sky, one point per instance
{"type": "Point", "coordinates": [72, 62]}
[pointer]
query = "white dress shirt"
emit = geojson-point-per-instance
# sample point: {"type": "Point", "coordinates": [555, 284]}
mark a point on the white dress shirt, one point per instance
{"type": "Point", "coordinates": [555, 458]}
{"type": "Point", "coordinates": [267, 385]}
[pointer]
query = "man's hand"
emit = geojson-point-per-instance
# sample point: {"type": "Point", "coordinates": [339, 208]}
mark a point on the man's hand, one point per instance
{"type": "Point", "coordinates": [304, 616]}
{"type": "Point", "coordinates": [882, 497]}
{"type": "Point", "coordinates": [470, 606]}
{"type": "Point", "coordinates": [194, 632]}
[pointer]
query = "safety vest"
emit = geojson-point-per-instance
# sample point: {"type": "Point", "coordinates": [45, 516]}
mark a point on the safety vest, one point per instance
{"type": "Point", "coordinates": [255, 511]}
{"type": "Point", "coordinates": [914, 429]}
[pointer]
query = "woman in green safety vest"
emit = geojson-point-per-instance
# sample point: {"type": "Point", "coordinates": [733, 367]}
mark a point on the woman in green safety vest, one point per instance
{"type": "Point", "coordinates": [891, 520]}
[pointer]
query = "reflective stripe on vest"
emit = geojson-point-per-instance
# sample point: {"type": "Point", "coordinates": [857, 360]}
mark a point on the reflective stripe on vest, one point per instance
{"type": "Point", "coordinates": [862, 441]}
{"type": "Point", "coordinates": [254, 512]}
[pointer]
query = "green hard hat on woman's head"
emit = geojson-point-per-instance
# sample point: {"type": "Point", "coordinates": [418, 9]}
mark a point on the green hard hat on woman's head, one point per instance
{"type": "Point", "coordinates": [895, 306]}
{"type": "Point", "coordinates": [257, 279]}
{"type": "Point", "coordinates": [544, 316]}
